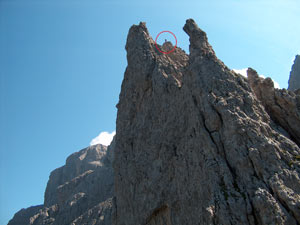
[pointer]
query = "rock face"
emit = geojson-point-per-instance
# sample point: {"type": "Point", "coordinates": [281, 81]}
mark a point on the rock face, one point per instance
{"type": "Point", "coordinates": [294, 81]}
{"type": "Point", "coordinates": [79, 192]}
{"type": "Point", "coordinates": [79, 166]}
{"type": "Point", "coordinates": [283, 106]}
{"type": "Point", "coordinates": [196, 144]}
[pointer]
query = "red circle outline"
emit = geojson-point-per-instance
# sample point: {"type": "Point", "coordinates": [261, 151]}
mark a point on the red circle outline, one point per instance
{"type": "Point", "coordinates": [166, 31]}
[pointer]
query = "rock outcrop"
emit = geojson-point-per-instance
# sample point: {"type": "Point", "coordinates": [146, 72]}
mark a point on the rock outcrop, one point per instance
{"type": "Point", "coordinates": [79, 192]}
{"type": "Point", "coordinates": [195, 144]}
{"type": "Point", "coordinates": [79, 166]}
{"type": "Point", "coordinates": [294, 81]}
{"type": "Point", "coordinates": [283, 106]}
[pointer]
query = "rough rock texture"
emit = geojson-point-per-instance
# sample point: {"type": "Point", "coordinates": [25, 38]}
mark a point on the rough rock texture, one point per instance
{"type": "Point", "coordinates": [283, 106]}
{"type": "Point", "coordinates": [194, 145]}
{"type": "Point", "coordinates": [294, 81]}
{"type": "Point", "coordinates": [98, 215]}
{"type": "Point", "coordinates": [79, 192]}
{"type": "Point", "coordinates": [78, 166]}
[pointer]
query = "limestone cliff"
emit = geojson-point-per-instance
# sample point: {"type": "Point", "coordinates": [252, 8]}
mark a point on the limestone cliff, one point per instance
{"type": "Point", "coordinates": [77, 193]}
{"type": "Point", "coordinates": [294, 81]}
{"type": "Point", "coordinates": [283, 106]}
{"type": "Point", "coordinates": [196, 145]}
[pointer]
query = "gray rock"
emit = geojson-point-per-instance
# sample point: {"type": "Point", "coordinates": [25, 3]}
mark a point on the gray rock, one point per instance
{"type": "Point", "coordinates": [294, 81]}
{"type": "Point", "coordinates": [98, 215]}
{"type": "Point", "coordinates": [79, 192]}
{"type": "Point", "coordinates": [76, 164]}
{"type": "Point", "coordinates": [283, 106]}
{"type": "Point", "coordinates": [195, 145]}
{"type": "Point", "coordinates": [23, 216]}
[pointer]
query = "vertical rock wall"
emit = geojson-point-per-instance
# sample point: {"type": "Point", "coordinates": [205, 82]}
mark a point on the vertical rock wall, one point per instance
{"type": "Point", "coordinates": [194, 145]}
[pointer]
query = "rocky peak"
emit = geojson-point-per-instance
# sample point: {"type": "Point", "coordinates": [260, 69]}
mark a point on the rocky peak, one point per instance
{"type": "Point", "coordinates": [196, 144]}
{"type": "Point", "coordinates": [198, 40]}
{"type": "Point", "coordinates": [294, 81]}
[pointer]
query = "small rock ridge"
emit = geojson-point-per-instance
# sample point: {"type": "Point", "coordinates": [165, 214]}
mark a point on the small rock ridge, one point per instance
{"type": "Point", "coordinates": [167, 46]}
{"type": "Point", "coordinates": [198, 39]}
{"type": "Point", "coordinates": [80, 192]}
{"type": "Point", "coordinates": [140, 43]}
{"type": "Point", "coordinates": [283, 106]}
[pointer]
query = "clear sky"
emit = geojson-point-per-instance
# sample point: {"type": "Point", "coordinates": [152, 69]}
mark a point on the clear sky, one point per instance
{"type": "Point", "coordinates": [62, 64]}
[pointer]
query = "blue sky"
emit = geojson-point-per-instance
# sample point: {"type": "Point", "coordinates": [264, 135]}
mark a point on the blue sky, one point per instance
{"type": "Point", "coordinates": [62, 64]}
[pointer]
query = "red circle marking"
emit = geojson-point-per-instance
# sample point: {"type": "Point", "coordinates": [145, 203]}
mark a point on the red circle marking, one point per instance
{"type": "Point", "coordinates": [166, 31]}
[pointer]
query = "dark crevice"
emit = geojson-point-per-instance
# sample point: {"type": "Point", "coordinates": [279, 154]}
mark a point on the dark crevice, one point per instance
{"type": "Point", "coordinates": [158, 212]}
{"type": "Point", "coordinates": [195, 100]}
{"type": "Point", "coordinates": [247, 217]}
{"type": "Point", "coordinates": [215, 218]}
{"type": "Point", "coordinates": [232, 171]}
{"type": "Point", "coordinates": [219, 114]}
{"type": "Point", "coordinates": [256, 217]}
{"type": "Point", "coordinates": [175, 151]}
{"type": "Point", "coordinates": [252, 164]}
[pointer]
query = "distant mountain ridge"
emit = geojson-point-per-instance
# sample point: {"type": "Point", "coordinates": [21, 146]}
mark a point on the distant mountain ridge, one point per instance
{"type": "Point", "coordinates": [79, 191]}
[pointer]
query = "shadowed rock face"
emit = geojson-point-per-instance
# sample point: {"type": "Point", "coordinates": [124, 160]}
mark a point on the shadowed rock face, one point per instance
{"type": "Point", "coordinates": [79, 192]}
{"type": "Point", "coordinates": [294, 81]}
{"type": "Point", "coordinates": [23, 216]}
{"type": "Point", "coordinates": [195, 144]}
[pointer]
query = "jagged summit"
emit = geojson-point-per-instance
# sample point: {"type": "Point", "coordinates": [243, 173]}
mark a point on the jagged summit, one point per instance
{"type": "Point", "coordinates": [198, 39]}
